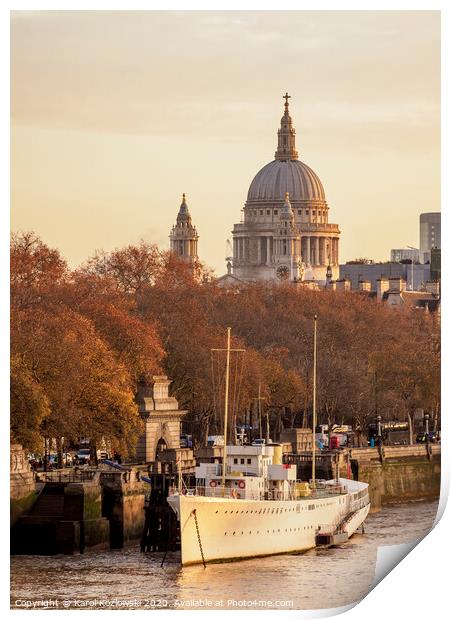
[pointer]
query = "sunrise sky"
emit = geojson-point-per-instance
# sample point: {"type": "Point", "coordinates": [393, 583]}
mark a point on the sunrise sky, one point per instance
{"type": "Point", "coordinates": [115, 114]}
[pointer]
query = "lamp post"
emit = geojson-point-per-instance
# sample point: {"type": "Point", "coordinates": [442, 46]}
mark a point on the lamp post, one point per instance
{"type": "Point", "coordinates": [426, 426]}
{"type": "Point", "coordinates": [379, 429]}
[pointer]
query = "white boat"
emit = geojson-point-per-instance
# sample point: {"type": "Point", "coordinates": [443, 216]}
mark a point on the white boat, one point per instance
{"type": "Point", "coordinates": [254, 505]}
{"type": "Point", "coordinates": [262, 509]}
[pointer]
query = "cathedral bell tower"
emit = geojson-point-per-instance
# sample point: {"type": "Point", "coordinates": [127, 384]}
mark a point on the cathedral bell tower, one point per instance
{"type": "Point", "coordinates": [287, 244]}
{"type": "Point", "coordinates": [184, 235]}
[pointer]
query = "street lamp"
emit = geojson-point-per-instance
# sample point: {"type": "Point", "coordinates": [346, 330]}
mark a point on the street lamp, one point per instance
{"type": "Point", "coordinates": [411, 261]}
{"type": "Point", "coordinates": [426, 426]}
{"type": "Point", "coordinates": [379, 428]}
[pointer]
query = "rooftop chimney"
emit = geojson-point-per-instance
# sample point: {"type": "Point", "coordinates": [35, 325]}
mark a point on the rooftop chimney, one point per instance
{"type": "Point", "coordinates": [381, 287]}
{"type": "Point", "coordinates": [343, 285]}
{"type": "Point", "coordinates": [432, 287]}
{"type": "Point", "coordinates": [397, 285]}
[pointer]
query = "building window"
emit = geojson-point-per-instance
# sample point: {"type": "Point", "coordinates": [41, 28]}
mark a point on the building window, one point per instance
{"type": "Point", "coordinates": [275, 211]}
{"type": "Point", "coordinates": [313, 212]}
{"type": "Point", "coordinates": [268, 212]}
{"type": "Point", "coordinates": [249, 461]}
{"type": "Point", "coordinates": [306, 212]}
{"type": "Point", "coordinates": [299, 211]}
{"type": "Point", "coordinates": [242, 460]}
{"type": "Point", "coordinates": [235, 461]}
{"type": "Point", "coordinates": [261, 211]}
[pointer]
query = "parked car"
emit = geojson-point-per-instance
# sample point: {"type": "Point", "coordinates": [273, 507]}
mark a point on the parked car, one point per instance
{"type": "Point", "coordinates": [434, 437]}
{"type": "Point", "coordinates": [83, 456]}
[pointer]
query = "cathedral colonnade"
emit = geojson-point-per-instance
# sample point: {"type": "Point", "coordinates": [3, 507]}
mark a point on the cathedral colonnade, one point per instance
{"type": "Point", "coordinates": [315, 250]}
{"type": "Point", "coordinates": [319, 250]}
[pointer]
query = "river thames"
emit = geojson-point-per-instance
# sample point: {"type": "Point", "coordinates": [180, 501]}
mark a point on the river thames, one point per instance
{"type": "Point", "coordinates": [320, 578]}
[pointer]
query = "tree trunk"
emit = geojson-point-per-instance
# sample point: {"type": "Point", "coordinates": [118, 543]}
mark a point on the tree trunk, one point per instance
{"type": "Point", "coordinates": [409, 419]}
{"type": "Point", "coordinates": [59, 451]}
{"type": "Point", "coordinates": [45, 455]}
{"type": "Point", "coordinates": [93, 456]}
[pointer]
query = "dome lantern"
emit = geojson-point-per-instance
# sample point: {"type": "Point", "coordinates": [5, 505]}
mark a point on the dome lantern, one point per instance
{"type": "Point", "coordinates": [286, 136]}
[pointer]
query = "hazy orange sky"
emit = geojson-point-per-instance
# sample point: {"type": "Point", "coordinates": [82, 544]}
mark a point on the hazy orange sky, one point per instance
{"type": "Point", "coordinates": [115, 114]}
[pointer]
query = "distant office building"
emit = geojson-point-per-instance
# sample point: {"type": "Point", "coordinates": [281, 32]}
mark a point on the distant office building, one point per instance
{"type": "Point", "coordinates": [436, 264]}
{"type": "Point", "coordinates": [396, 256]}
{"type": "Point", "coordinates": [357, 273]}
{"type": "Point", "coordinates": [430, 234]}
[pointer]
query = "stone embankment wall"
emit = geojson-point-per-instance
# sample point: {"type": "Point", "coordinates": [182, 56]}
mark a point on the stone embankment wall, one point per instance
{"type": "Point", "coordinates": [123, 495]}
{"type": "Point", "coordinates": [22, 487]}
{"type": "Point", "coordinates": [396, 473]}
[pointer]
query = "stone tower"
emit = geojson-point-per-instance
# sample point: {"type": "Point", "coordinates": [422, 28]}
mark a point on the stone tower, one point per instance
{"type": "Point", "coordinates": [287, 244]}
{"type": "Point", "coordinates": [184, 235]}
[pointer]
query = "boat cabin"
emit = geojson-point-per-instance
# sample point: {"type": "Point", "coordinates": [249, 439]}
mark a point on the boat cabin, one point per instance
{"type": "Point", "coordinates": [253, 472]}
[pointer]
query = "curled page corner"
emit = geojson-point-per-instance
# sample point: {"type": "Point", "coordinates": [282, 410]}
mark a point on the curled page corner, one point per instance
{"type": "Point", "coordinates": [390, 556]}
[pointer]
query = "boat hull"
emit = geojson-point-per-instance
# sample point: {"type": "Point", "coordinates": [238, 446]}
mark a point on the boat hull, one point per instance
{"type": "Point", "coordinates": [235, 529]}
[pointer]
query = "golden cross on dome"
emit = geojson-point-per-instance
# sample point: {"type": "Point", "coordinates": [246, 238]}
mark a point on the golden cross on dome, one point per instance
{"type": "Point", "coordinates": [286, 97]}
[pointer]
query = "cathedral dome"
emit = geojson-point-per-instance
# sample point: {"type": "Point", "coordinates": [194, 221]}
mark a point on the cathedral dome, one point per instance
{"type": "Point", "coordinates": [286, 173]}
{"type": "Point", "coordinates": [278, 177]}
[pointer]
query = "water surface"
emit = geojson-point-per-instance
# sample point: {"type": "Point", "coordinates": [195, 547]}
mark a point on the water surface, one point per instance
{"type": "Point", "coordinates": [129, 579]}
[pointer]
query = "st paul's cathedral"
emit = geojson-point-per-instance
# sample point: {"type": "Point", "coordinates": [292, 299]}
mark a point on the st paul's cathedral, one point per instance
{"type": "Point", "coordinates": [285, 232]}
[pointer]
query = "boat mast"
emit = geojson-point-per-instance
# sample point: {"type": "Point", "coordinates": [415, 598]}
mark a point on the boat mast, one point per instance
{"type": "Point", "coordinates": [226, 410]}
{"type": "Point", "coordinates": [260, 431]}
{"type": "Point", "coordinates": [314, 405]}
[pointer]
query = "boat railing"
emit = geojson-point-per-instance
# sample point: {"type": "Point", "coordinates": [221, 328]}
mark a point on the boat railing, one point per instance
{"type": "Point", "coordinates": [359, 503]}
{"type": "Point", "coordinates": [219, 491]}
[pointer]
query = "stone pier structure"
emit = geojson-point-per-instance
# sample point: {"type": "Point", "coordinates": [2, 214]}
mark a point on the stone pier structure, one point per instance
{"type": "Point", "coordinates": [161, 416]}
